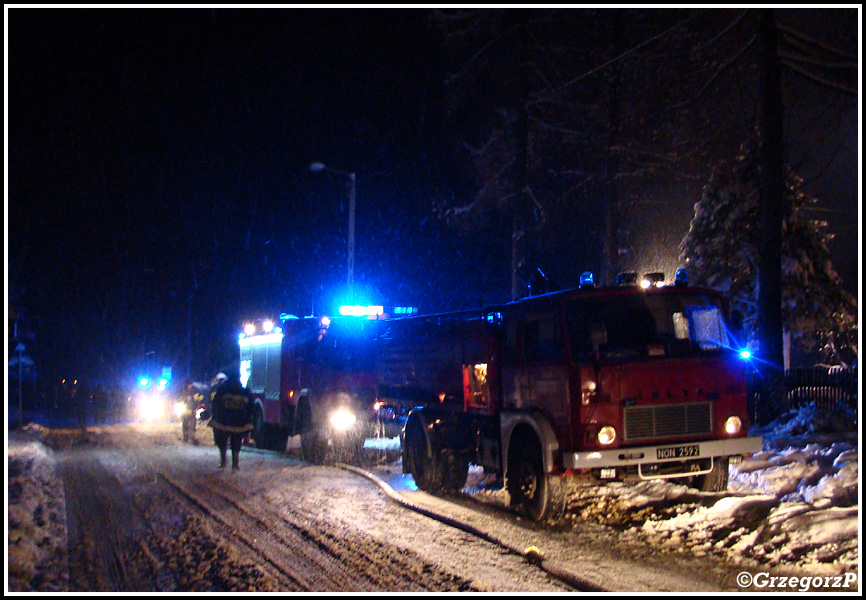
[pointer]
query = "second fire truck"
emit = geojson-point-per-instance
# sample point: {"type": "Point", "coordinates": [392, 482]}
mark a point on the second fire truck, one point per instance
{"type": "Point", "coordinates": [594, 384]}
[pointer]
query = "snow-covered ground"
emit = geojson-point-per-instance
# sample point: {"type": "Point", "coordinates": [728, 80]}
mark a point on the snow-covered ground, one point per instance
{"type": "Point", "coordinates": [796, 504]}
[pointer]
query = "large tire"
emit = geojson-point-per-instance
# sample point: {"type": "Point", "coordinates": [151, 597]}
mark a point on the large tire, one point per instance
{"type": "Point", "coordinates": [455, 470]}
{"type": "Point", "coordinates": [534, 493]}
{"type": "Point", "coordinates": [716, 480]}
{"type": "Point", "coordinates": [261, 431]}
{"type": "Point", "coordinates": [423, 464]}
{"type": "Point", "coordinates": [313, 444]}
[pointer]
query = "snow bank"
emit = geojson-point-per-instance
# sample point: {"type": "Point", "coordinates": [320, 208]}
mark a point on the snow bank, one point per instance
{"type": "Point", "coordinates": [36, 554]}
{"type": "Point", "coordinates": [795, 504]}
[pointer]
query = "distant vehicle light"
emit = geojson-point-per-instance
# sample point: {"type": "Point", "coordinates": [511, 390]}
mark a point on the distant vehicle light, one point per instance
{"type": "Point", "coordinates": [745, 354]}
{"type": "Point", "coordinates": [151, 407]}
{"type": "Point", "coordinates": [144, 382]}
{"type": "Point", "coordinates": [652, 280]}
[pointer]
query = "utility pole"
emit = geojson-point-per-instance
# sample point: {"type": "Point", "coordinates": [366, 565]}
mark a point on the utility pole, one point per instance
{"type": "Point", "coordinates": [772, 192]}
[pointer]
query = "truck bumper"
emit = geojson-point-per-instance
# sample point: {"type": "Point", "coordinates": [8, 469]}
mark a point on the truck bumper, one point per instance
{"type": "Point", "coordinates": [662, 453]}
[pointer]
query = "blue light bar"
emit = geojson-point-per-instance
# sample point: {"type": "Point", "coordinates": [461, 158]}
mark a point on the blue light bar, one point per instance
{"type": "Point", "coordinates": [361, 311]}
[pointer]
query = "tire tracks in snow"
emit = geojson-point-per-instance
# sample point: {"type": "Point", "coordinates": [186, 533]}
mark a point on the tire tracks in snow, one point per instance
{"type": "Point", "coordinates": [102, 538]}
{"type": "Point", "coordinates": [320, 559]}
{"type": "Point", "coordinates": [552, 568]}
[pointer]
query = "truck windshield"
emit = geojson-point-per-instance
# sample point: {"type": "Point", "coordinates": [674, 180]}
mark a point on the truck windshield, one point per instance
{"type": "Point", "coordinates": [645, 325]}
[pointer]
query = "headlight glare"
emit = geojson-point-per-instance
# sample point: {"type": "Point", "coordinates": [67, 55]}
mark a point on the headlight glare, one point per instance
{"type": "Point", "coordinates": [606, 435]}
{"type": "Point", "coordinates": [733, 425]}
{"type": "Point", "coordinates": [342, 419]}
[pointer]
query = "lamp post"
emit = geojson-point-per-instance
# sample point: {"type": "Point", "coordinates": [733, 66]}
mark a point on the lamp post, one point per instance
{"type": "Point", "coordinates": [318, 167]}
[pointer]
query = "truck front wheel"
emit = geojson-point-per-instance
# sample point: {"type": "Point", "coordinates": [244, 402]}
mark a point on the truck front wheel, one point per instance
{"type": "Point", "coordinates": [716, 480]}
{"type": "Point", "coordinates": [534, 493]}
{"type": "Point", "coordinates": [313, 445]}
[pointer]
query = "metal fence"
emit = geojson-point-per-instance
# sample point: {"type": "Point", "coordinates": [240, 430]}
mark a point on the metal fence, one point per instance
{"type": "Point", "coordinates": [826, 387]}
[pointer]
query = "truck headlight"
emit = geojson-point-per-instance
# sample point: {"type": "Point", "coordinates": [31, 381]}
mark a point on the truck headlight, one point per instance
{"type": "Point", "coordinates": [179, 408]}
{"type": "Point", "coordinates": [606, 435]}
{"type": "Point", "coordinates": [342, 419]}
{"type": "Point", "coordinates": [733, 425]}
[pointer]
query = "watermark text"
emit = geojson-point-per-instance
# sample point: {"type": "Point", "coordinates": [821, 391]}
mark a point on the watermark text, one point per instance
{"type": "Point", "coordinates": [800, 584]}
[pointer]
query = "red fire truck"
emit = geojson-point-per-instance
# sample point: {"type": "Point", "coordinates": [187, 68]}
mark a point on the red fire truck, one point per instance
{"type": "Point", "coordinates": [595, 384]}
{"type": "Point", "coordinates": [313, 377]}
{"type": "Point", "coordinates": [599, 384]}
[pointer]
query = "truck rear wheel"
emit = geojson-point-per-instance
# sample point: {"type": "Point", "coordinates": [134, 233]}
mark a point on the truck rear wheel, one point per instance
{"type": "Point", "coordinates": [534, 493]}
{"type": "Point", "coordinates": [426, 470]}
{"type": "Point", "coordinates": [260, 429]}
{"type": "Point", "coordinates": [455, 471]}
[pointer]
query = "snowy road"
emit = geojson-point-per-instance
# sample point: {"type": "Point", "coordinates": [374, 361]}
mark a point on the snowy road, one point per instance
{"type": "Point", "coordinates": [147, 514]}
{"type": "Point", "coordinates": [129, 507]}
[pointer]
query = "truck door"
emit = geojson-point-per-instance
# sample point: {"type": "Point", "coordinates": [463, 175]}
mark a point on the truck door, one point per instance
{"type": "Point", "coordinates": [545, 370]}
{"type": "Point", "coordinates": [536, 375]}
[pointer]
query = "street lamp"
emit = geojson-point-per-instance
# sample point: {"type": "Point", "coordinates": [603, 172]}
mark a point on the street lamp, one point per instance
{"type": "Point", "coordinates": [318, 167]}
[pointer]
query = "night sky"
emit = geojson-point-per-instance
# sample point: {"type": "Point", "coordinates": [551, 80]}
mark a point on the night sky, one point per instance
{"type": "Point", "coordinates": [159, 190]}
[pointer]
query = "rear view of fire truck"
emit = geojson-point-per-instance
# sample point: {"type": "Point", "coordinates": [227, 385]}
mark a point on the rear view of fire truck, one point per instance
{"type": "Point", "coordinates": [591, 385]}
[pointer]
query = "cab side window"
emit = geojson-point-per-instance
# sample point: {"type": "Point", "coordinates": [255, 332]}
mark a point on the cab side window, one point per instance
{"type": "Point", "coordinates": [542, 339]}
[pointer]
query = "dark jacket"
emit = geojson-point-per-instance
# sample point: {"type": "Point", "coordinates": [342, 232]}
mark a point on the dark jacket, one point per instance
{"type": "Point", "coordinates": [232, 407]}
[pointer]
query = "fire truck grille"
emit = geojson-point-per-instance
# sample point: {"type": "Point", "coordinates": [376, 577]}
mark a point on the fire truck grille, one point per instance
{"type": "Point", "coordinates": [668, 420]}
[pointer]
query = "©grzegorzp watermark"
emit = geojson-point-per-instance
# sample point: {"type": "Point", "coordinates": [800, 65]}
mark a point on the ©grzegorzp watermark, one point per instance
{"type": "Point", "coordinates": [800, 584]}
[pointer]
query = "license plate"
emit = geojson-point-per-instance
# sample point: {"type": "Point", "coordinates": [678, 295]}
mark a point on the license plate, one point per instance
{"type": "Point", "coordinates": [678, 452]}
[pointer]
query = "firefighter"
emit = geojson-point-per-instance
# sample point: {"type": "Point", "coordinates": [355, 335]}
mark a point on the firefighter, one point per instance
{"type": "Point", "coordinates": [191, 400]}
{"type": "Point", "coordinates": [232, 417]}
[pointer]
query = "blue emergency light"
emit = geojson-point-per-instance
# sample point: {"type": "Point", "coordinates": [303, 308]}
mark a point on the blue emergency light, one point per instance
{"type": "Point", "coordinates": [361, 311]}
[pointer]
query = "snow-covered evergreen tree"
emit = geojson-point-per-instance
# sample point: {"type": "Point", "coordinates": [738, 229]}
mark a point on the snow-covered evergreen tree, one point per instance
{"type": "Point", "coordinates": [721, 251]}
